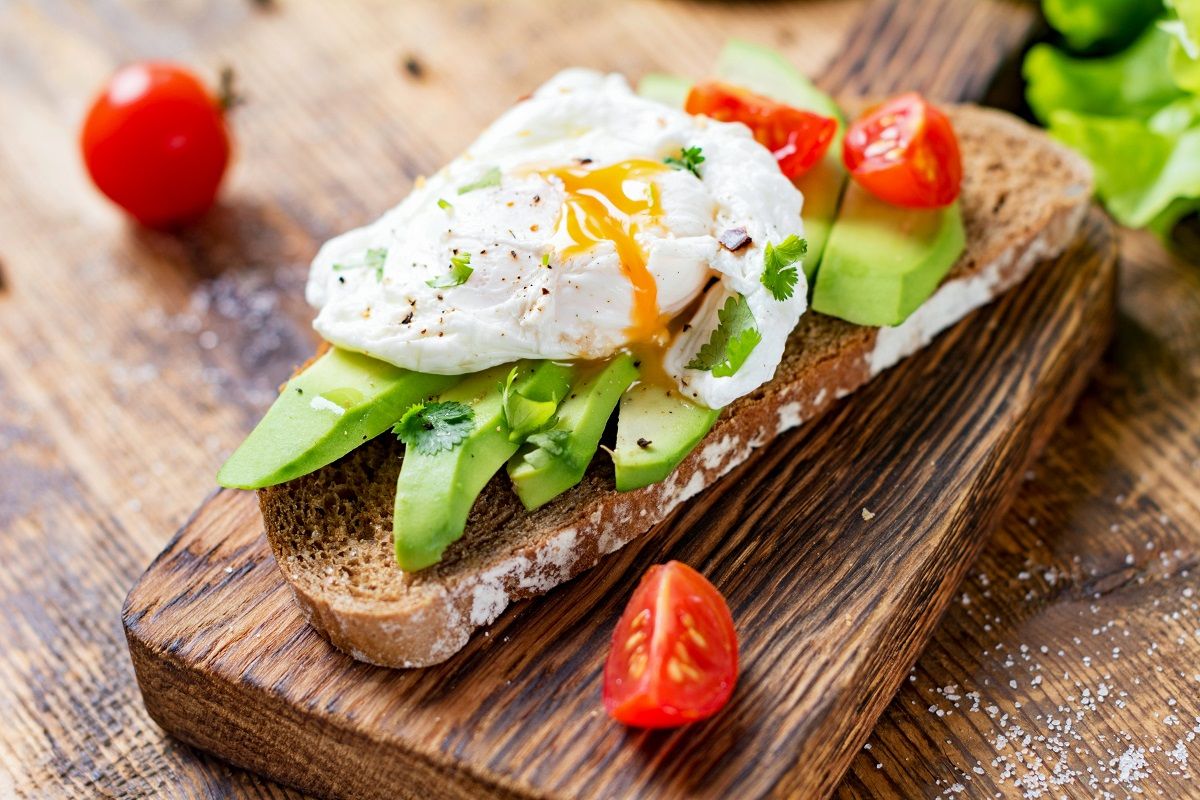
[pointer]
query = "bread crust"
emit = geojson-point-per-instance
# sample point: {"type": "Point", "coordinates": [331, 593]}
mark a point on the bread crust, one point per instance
{"type": "Point", "coordinates": [1023, 200]}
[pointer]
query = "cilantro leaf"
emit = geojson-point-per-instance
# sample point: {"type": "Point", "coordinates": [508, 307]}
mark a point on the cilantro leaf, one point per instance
{"type": "Point", "coordinates": [487, 180]}
{"type": "Point", "coordinates": [430, 428]}
{"type": "Point", "coordinates": [460, 270]}
{"type": "Point", "coordinates": [523, 414]}
{"type": "Point", "coordinates": [731, 343]}
{"type": "Point", "coordinates": [779, 271]}
{"type": "Point", "coordinates": [550, 444]}
{"type": "Point", "coordinates": [690, 158]}
{"type": "Point", "coordinates": [373, 260]}
{"type": "Point", "coordinates": [445, 205]}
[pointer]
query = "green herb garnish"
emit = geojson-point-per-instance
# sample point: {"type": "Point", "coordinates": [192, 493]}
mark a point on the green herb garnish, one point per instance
{"type": "Point", "coordinates": [460, 270]}
{"type": "Point", "coordinates": [779, 270]}
{"type": "Point", "coordinates": [731, 343]}
{"type": "Point", "coordinates": [523, 414]}
{"type": "Point", "coordinates": [550, 444]}
{"type": "Point", "coordinates": [373, 260]}
{"type": "Point", "coordinates": [445, 205]}
{"type": "Point", "coordinates": [690, 158]}
{"type": "Point", "coordinates": [430, 428]}
{"type": "Point", "coordinates": [489, 179]}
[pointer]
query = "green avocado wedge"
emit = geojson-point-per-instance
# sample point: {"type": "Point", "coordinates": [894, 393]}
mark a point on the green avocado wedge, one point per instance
{"type": "Point", "coordinates": [555, 460]}
{"type": "Point", "coordinates": [435, 492]}
{"type": "Point", "coordinates": [883, 261]}
{"type": "Point", "coordinates": [656, 429]}
{"type": "Point", "coordinates": [764, 71]}
{"type": "Point", "coordinates": [339, 402]}
{"type": "Point", "coordinates": [670, 90]}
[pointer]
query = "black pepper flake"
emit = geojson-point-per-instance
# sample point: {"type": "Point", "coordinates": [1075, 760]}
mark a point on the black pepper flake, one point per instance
{"type": "Point", "coordinates": [583, 160]}
{"type": "Point", "coordinates": [545, 290]}
{"type": "Point", "coordinates": [643, 443]}
{"type": "Point", "coordinates": [407, 319]}
{"type": "Point", "coordinates": [687, 326]}
{"type": "Point", "coordinates": [299, 390]}
{"type": "Point", "coordinates": [512, 253]}
{"type": "Point", "coordinates": [341, 278]}
{"type": "Point", "coordinates": [734, 239]}
{"type": "Point", "coordinates": [414, 68]}
{"type": "Point", "coordinates": [537, 198]}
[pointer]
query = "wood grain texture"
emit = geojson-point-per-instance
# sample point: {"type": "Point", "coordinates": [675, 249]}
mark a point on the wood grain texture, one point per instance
{"type": "Point", "coordinates": [117, 406]}
{"type": "Point", "coordinates": [832, 607]}
{"type": "Point", "coordinates": [1069, 663]}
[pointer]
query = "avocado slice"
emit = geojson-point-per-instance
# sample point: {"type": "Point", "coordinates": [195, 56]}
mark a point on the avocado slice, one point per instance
{"type": "Point", "coordinates": [656, 429]}
{"type": "Point", "coordinates": [882, 261]}
{"type": "Point", "coordinates": [764, 71]}
{"type": "Point", "coordinates": [553, 461]}
{"type": "Point", "coordinates": [340, 401]}
{"type": "Point", "coordinates": [435, 492]}
{"type": "Point", "coordinates": [670, 90]}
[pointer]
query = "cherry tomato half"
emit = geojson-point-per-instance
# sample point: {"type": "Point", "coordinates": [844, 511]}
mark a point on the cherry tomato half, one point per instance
{"type": "Point", "coordinates": [673, 658]}
{"type": "Point", "coordinates": [797, 138]}
{"type": "Point", "coordinates": [156, 144]}
{"type": "Point", "coordinates": [905, 153]}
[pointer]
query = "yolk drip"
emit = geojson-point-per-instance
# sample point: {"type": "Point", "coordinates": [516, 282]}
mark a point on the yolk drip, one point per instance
{"type": "Point", "coordinates": [609, 204]}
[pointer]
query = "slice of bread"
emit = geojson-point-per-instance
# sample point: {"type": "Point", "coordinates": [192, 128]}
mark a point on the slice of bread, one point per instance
{"type": "Point", "coordinates": [1023, 199]}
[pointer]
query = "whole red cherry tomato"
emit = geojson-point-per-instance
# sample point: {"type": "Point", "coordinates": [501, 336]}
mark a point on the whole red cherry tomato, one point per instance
{"type": "Point", "coordinates": [673, 658]}
{"type": "Point", "coordinates": [797, 138]}
{"type": "Point", "coordinates": [905, 153]}
{"type": "Point", "coordinates": [156, 144]}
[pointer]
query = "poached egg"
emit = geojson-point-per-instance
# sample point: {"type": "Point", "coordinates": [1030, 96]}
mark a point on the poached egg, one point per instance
{"type": "Point", "coordinates": [577, 240]}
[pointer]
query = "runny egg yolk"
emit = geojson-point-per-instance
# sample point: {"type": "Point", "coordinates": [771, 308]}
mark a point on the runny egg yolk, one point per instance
{"type": "Point", "coordinates": [611, 204]}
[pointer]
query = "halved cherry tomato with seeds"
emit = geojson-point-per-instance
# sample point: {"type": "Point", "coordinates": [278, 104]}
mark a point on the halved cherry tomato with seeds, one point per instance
{"type": "Point", "coordinates": [905, 153]}
{"type": "Point", "coordinates": [797, 138]}
{"type": "Point", "coordinates": [673, 658]}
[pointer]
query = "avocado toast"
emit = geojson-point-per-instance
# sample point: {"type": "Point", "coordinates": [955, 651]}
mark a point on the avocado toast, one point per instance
{"type": "Point", "coordinates": [470, 539]}
{"type": "Point", "coordinates": [1023, 199]}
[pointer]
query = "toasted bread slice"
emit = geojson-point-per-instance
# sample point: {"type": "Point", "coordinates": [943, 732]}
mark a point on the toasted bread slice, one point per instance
{"type": "Point", "coordinates": [1023, 199]}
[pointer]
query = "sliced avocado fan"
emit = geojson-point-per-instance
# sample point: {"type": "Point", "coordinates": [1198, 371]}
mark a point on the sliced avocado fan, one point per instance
{"type": "Point", "coordinates": [437, 488]}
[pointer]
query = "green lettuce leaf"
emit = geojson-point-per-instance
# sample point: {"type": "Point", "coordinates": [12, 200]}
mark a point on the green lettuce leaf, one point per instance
{"type": "Point", "coordinates": [1184, 30]}
{"type": "Point", "coordinates": [1143, 167]}
{"type": "Point", "coordinates": [1087, 23]}
{"type": "Point", "coordinates": [1134, 82]}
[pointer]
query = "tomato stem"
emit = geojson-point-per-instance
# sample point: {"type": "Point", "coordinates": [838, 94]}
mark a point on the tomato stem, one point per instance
{"type": "Point", "coordinates": [227, 94]}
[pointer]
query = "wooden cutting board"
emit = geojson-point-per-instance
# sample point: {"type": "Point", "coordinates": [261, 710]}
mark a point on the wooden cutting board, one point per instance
{"type": "Point", "coordinates": [838, 547]}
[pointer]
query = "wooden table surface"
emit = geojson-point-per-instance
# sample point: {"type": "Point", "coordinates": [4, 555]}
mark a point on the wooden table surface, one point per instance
{"type": "Point", "coordinates": [131, 363]}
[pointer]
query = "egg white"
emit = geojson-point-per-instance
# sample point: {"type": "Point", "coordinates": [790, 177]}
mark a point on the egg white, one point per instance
{"type": "Point", "coordinates": [524, 299]}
